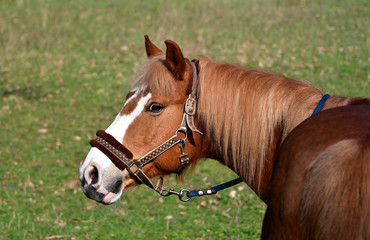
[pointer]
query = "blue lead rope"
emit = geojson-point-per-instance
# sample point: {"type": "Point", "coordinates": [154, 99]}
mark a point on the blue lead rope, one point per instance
{"type": "Point", "coordinates": [215, 189]}
{"type": "Point", "coordinates": [320, 105]}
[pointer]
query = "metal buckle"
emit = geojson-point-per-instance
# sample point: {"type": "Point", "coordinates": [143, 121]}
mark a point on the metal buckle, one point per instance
{"type": "Point", "coordinates": [191, 106]}
{"type": "Point", "coordinates": [132, 164]}
{"type": "Point", "coordinates": [184, 159]}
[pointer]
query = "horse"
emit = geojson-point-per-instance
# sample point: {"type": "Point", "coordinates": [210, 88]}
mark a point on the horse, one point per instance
{"type": "Point", "coordinates": [312, 171]}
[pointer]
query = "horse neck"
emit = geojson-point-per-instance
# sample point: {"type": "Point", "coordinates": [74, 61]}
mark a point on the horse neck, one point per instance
{"type": "Point", "coordinates": [246, 114]}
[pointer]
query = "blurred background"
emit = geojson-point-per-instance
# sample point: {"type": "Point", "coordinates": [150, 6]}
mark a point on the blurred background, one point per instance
{"type": "Point", "coordinates": [66, 66]}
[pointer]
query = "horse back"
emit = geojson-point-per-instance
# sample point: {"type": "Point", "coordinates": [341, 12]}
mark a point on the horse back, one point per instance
{"type": "Point", "coordinates": [321, 182]}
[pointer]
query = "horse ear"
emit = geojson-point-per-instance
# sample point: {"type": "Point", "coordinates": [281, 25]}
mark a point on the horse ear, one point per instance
{"type": "Point", "coordinates": [175, 60]}
{"type": "Point", "coordinates": [151, 49]}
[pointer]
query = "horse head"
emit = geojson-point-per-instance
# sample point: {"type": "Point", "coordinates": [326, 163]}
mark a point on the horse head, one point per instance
{"type": "Point", "coordinates": [152, 114]}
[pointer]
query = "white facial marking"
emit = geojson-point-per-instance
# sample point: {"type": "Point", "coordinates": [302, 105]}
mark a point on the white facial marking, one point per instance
{"type": "Point", "coordinates": [120, 125]}
{"type": "Point", "coordinates": [117, 129]}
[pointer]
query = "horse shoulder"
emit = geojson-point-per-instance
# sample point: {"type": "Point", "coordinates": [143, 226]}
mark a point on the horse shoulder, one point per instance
{"type": "Point", "coordinates": [321, 180]}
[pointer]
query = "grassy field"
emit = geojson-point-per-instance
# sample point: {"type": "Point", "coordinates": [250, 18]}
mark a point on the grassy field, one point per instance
{"type": "Point", "coordinates": [65, 67]}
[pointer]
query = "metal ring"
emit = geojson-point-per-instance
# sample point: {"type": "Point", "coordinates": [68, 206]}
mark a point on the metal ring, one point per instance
{"type": "Point", "coordinates": [183, 132]}
{"type": "Point", "coordinates": [183, 193]}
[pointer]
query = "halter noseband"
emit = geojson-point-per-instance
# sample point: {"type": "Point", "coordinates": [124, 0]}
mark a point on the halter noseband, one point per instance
{"type": "Point", "coordinates": [122, 157]}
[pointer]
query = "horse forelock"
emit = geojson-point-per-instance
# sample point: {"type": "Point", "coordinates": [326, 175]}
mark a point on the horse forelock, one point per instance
{"type": "Point", "coordinates": [244, 111]}
{"type": "Point", "coordinates": [155, 77]}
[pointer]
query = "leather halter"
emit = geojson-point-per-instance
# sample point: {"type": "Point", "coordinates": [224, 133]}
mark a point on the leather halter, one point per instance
{"type": "Point", "coordinates": [122, 157]}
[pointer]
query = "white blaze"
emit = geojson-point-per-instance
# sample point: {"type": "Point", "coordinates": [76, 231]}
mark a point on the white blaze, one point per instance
{"type": "Point", "coordinates": [120, 125]}
{"type": "Point", "coordinates": [117, 129]}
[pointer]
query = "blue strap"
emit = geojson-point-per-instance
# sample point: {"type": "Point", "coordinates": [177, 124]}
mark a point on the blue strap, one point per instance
{"type": "Point", "coordinates": [213, 190]}
{"type": "Point", "coordinates": [320, 105]}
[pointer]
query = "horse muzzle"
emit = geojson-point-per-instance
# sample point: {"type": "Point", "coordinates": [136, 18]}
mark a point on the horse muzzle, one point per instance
{"type": "Point", "coordinates": [101, 180]}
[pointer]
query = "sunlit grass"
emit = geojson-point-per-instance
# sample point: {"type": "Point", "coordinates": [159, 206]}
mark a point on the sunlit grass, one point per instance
{"type": "Point", "coordinates": [65, 67]}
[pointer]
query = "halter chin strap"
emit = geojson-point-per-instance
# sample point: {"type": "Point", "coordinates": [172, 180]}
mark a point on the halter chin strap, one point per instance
{"type": "Point", "coordinates": [123, 158]}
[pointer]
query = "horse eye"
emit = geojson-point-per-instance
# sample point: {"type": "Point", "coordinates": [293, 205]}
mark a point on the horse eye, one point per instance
{"type": "Point", "coordinates": [155, 108]}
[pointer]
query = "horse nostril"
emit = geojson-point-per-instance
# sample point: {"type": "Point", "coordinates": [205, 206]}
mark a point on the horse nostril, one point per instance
{"type": "Point", "coordinates": [116, 187]}
{"type": "Point", "coordinates": [92, 175]}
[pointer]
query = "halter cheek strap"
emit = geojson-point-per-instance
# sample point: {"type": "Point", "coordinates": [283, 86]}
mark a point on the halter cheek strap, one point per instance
{"type": "Point", "coordinates": [191, 103]}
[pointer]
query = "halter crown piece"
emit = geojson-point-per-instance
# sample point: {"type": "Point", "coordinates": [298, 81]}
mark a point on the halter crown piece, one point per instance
{"type": "Point", "coordinates": [122, 157]}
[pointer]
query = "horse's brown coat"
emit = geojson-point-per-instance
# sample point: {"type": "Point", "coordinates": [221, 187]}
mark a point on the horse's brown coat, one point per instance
{"type": "Point", "coordinates": [321, 183]}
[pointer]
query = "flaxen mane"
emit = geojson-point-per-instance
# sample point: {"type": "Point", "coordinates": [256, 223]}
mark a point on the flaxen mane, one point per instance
{"type": "Point", "coordinates": [241, 124]}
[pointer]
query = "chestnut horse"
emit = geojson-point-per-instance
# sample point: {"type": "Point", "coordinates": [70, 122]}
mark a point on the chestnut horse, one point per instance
{"type": "Point", "coordinates": [313, 172]}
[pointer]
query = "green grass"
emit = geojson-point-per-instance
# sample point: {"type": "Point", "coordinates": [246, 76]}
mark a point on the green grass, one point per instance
{"type": "Point", "coordinates": [65, 67]}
